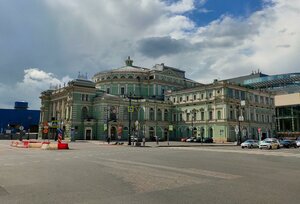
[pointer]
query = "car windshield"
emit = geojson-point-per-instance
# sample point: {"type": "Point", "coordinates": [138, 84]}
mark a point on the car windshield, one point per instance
{"type": "Point", "coordinates": [267, 141]}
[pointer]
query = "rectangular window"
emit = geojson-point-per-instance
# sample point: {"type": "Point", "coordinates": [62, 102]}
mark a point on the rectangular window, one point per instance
{"type": "Point", "coordinates": [195, 97]}
{"type": "Point", "coordinates": [107, 90]}
{"type": "Point", "coordinates": [87, 97]}
{"type": "Point", "coordinates": [188, 117]}
{"type": "Point", "coordinates": [202, 115]}
{"type": "Point", "coordinates": [210, 115]}
{"type": "Point", "coordinates": [180, 117]}
{"type": "Point", "coordinates": [82, 97]}
{"type": "Point", "coordinates": [187, 98]}
{"type": "Point", "coordinates": [122, 90]}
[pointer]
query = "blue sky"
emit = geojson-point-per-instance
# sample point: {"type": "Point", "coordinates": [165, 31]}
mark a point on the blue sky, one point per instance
{"type": "Point", "coordinates": [214, 9]}
{"type": "Point", "coordinates": [50, 41]}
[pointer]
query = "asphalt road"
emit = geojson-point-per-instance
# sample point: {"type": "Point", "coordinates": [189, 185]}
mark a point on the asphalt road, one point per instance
{"type": "Point", "coordinates": [100, 173]}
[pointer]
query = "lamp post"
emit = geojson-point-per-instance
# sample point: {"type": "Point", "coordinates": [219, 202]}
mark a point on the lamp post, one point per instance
{"type": "Point", "coordinates": [129, 120]}
{"type": "Point", "coordinates": [240, 119]}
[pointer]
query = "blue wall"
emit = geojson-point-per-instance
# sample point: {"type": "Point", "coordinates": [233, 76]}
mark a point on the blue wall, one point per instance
{"type": "Point", "coordinates": [15, 118]}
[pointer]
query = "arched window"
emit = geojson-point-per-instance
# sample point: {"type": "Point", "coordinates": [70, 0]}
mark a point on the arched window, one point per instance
{"type": "Point", "coordinates": [159, 115]}
{"type": "Point", "coordinates": [115, 77]}
{"type": "Point", "coordinates": [84, 113]}
{"type": "Point", "coordinates": [166, 115]}
{"type": "Point", "coordinates": [151, 114]}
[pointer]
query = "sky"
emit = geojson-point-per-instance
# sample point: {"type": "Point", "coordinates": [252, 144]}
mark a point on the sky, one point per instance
{"type": "Point", "coordinates": [48, 42]}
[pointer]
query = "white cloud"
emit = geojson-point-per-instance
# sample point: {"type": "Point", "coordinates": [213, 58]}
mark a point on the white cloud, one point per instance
{"type": "Point", "coordinates": [34, 82]}
{"type": "Point", "coordinates": [67, 36]}
{"type": "Point", "coordinates": [181, 6]}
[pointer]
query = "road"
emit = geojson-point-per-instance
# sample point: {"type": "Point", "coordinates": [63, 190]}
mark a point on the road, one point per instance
{"type": "Point", "coordinates": [100, 173]}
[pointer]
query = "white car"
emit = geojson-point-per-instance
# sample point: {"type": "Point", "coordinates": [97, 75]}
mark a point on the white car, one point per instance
{"type": "Point", "coordinates": [250, 144]}
{"type": "Point", "coordinates": [191, 139]}
{"type": "Point", "coordinates": [269, 143]}
{"type": "Point", "coordinates": [298, 143]}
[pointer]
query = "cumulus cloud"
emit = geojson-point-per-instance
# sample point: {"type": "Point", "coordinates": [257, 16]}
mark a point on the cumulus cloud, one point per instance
{"type": "Point", "coordinates": [65, 37]}
{"type": "Point", "coordinates": [34, 82]}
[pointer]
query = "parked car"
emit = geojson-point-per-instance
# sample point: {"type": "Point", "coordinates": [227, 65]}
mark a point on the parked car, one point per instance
{"type": "Point", "coordinates": [298, 143]}
{"type": "Point", "coordinates": [184, 139]}
{"type": "Point", "coordinates": [269, 143]}
{"type": "Point", "coordinates": [288, 143]}
{"type": "Point", "coordinates": [191, 139]}
{"type": "Point", "coordinates": [208, 140]}
{"type": "Point", "coordinates": [250, 144]}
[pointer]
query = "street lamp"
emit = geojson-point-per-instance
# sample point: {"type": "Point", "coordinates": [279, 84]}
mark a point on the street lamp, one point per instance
{"type": "Point", "coordinates": [240, 119]}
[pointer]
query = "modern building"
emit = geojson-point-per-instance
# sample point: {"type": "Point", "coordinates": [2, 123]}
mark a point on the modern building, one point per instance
{"type": "Point", "coordinates": [160, 101]}
{"type": "Point", "coordinates": [288, 115]}
{"type": "Point", "coordinates": [286, 87]}
{"type": "Point", "coordinates": [13, 119]}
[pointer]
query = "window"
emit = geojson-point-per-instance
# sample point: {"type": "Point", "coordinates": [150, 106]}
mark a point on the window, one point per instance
{"type": "Point", "coordinates": [180, 99]}
{"type": "Point", "coordinates": [159, 115]}
{"type": "Point", "coordinates": [231, 115]}
{"type": "Point", "coordinates": [180, 116]}
{"type": "Point", "coordinates": [257, 118]}
{"type": "Point", "coordinates": [261, 99]}
{"type": "Point", "coordinates": [210, 95]}
{"type": "Point", "coordinates": [188, 117]}
{"type": "Point", "coordinates": [187, 98]}
{"type": "Point", "coordinates": [202, 115]}
{"type": "Point", "coordinates": [195, 97]}
{"type": "Point", "coordinates": [151, 114]}
{"type": "Point", "coordinates": [174, 117]}
{"type": "Point", "coordinates": [219, 115]}
{"type": "Point", "coordinates": [107, 90]}
{"type": "Point", "coordinates": [86, 97]}
{"type": "Point", "coordinates": [202, 96]}
{"type": "Point", "coordinates": [122, 90]}
{"type": "Point", "coordinates": [256, 98]}
{"type": "Point", "coordinates": [174, 100]}
{"type": "Point", "coordinates": [251, 116]}
{"type": "Point", "coordinates": [210, 116]}
{"type": "Point", "coordinates": [166, 115]}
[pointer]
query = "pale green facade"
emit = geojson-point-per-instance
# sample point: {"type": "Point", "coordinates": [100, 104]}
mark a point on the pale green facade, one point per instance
{"type": "Point", "coordinates": [162, 99]}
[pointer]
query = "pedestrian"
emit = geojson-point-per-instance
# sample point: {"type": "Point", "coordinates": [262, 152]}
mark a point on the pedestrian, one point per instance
{"type": "Point", "coordinates": [108, 139]}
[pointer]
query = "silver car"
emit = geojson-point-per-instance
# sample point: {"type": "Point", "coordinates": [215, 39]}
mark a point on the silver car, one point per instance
{"type": "Point", "coordinates": [269, 143]}
{"type": "Point", "coordinates": [250, 144]}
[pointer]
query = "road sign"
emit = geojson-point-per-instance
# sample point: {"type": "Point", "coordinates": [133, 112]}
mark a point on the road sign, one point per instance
{"type": "Point", "coordinates": [130, 109]}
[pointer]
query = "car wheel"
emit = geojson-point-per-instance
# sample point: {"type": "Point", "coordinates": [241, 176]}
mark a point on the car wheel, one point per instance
{"type": "Point", "coordinates": [270, 147]}
{"type": "Point", "coordinates": [243, 147]}
{"type": "Point", "coordinates": [278, 147]}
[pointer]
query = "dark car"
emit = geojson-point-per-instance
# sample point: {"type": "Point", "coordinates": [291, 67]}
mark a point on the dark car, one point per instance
{"type": "Point", "coordinates": [288, 143]}
{"type": "Point", "coordinates": [208, 140]}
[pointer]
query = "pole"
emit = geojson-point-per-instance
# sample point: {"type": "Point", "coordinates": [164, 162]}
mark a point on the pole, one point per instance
{"type": "Point", "coordinates": [239, 135]}
{"type": "Point", "coordinates": [129, 121]}
{"type": "Point", "coordinates": [107, 122]}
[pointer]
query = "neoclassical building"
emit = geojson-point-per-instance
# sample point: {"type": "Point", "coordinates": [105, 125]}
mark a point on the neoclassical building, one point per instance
{"type": "Point", "coordinates": [159, 101]}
